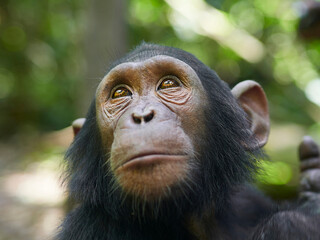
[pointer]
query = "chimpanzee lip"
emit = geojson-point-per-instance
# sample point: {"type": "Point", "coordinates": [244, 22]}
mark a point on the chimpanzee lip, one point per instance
{"type": "Point", "coordinates": [149, 158]}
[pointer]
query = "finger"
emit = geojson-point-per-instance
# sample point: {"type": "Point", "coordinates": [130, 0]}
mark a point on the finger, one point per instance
{"type": "Point", "coordinates": [308, 149]}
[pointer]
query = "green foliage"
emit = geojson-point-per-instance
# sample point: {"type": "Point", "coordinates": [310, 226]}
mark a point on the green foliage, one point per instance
{"type": "Point", "coordinates": [276, 173]}
{"type": "Point", "coordinates": [41, 62]}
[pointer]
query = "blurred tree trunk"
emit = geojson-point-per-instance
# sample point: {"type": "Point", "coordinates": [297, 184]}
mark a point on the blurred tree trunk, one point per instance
{"type": "Point", "coordinates": [105, 41]}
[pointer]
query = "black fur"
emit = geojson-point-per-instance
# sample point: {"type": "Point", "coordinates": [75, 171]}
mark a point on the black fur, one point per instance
{"type": "Point", "coordinates": [104, 214]}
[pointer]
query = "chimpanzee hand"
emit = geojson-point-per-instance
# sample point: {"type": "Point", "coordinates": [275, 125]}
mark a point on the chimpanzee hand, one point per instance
{"type": "Point", "coordinates": [309, 155]}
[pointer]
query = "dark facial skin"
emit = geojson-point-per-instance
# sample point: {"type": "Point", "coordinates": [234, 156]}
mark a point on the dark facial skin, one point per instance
{"type": "Point", "coordinates": [147, 112]}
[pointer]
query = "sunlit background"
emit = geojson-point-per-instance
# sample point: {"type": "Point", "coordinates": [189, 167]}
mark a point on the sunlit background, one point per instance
{"type": "Point", "coordinates": [53, 54]}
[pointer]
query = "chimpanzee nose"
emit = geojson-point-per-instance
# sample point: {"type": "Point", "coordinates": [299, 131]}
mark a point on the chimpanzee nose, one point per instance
{"type": "Point", "coordinates": [143, 117]}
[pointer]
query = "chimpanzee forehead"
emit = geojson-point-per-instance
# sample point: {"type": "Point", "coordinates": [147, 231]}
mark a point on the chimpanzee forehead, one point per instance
{"type": "Point", "coordinates": [154, 61]}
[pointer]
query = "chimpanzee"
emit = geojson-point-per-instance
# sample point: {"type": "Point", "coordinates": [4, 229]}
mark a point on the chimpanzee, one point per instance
{"type": "Point", "coordinates": [167, 151]}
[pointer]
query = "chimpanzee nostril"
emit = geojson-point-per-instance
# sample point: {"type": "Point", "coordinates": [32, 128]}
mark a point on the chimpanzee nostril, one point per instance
{"type": "Point", "coordinates": [148, 117]}
{"type": "Point", "coordinates": [145, 117]}
{"type": "Point", "coordinates": [136, 119]}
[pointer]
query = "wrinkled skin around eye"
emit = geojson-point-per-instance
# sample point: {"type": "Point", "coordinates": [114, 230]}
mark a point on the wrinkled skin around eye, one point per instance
{"type": "Point", "coordinates": [115, 107]}
{"type": "Point", "coordinates": [177, 95]}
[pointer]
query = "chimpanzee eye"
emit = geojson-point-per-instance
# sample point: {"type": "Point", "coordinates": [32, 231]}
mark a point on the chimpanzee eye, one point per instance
{"type": "Point", "coordinates": [121, 92]}
{"type": "Point", "coordinates": [169, 82]}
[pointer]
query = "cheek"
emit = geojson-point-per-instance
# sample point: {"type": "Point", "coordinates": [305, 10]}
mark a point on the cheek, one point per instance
{"type": "Point", "coordinates": [106, 132]}
{"type": "Point", "coordinates": [192, 118]}
{"type": "Point", "coordinates": [107, 118]}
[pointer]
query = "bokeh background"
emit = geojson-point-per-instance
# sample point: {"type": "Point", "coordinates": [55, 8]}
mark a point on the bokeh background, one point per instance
{"type": "Point", "coordinates": [53, 54]}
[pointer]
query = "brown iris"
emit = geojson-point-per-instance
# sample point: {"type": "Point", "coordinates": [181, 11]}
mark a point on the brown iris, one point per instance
{"type": "Point", "coordinates": [121, 92]}
{"type": "Point", "coordinates": [169, 83]}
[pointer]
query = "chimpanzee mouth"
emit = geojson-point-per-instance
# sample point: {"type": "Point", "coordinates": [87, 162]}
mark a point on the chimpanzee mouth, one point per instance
{"type": "Point", "coordinates": [150, 159]}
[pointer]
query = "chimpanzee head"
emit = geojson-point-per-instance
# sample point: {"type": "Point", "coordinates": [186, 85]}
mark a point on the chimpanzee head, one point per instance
{"type": "Point", "coordinates": [164, 132]}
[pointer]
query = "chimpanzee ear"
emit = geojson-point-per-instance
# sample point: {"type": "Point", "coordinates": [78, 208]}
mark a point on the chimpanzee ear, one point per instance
{"type": "Point", "coordinates": [252, 99]}
{"type": "Point", "coordinates": [77, 125]}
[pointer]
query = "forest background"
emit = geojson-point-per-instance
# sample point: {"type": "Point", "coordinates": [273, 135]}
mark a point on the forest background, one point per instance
{"type": "Point", "coordinates": [53, 53]}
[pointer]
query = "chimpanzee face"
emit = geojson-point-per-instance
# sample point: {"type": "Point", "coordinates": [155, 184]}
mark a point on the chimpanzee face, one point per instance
{"type": "Point", "coordinates": [150, 115]}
